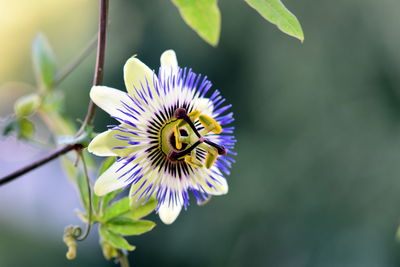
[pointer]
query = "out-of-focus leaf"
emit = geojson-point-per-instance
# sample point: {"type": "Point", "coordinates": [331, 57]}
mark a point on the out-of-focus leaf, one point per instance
{"type": "Point", "coordinates": [275, 12]}
{"type": "Point", "coordinates": [82, 216]}
{"type": "Point", "coordinates": [54, 102]}
{"type": "Point", "coordinates": [83, 189]}
{"type": "Point", "coordinates": [126, 226]}
{"type": "Point", "coordinates": [26, 129]}
{"type": "Point", "coordinates": [203, 16]}
{"type": "Point", "coordinates": [69, 168]}
{"type": "Point", "coordinates": [139, 210]}
{"type": "Point", "coordinates": [116, 209]}
{"type": "Point", "coordinates": [58, 124]}
{"type": "Point", "coordinates": [27, 105]}
{"type": "Point", "coordinates": [44, 62]}
{"type": "Point", "coordinates": [9, 127]}
{"type": "Point", "coordinates": [114, 239]}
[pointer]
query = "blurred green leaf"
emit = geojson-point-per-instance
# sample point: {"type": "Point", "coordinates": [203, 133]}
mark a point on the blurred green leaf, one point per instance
{"type": "Point", "coordinates": [140, 210]}
{"type": "Point", "coordinates": [115, 240]}
{"type": "Point", "coordinates": [27, 105]}
{"type": "Point", "coordinates": [203, 16]}
{"type": "Point", "coordinates": [54, 102]}
{"type": "Point", "coordinates": [275, 12]}
{"type": "Point", "coordinates": [126, 226]}
{"type": "Point", "coordinates": [83, 189]}
{"type": "Point", "coordinates": [82, 216]}
{"type": "Point", "coordinates": [116, 209]}
{"type": "Point", "coordinates": [26, 129]}
{"type": "Point", "coordinates": [10, 126]}
{"type": "Point", "coordinates": [44, 62]}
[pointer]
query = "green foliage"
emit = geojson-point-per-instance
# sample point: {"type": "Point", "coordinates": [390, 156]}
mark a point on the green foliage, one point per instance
{"type": "Point", "coordinates": [114, 239]}
{"type": "Point", "coordinates": [116, 209]}
{"type": "Point", "coordinates": [140, 209]}
{"type": "Point", "coordinates": [275, 12]}
{"type": "Point", "coordinates": [117, 217]}
{"type": "Point", "coordinates": [27, 105]}
{"type": "Point", "coordinates": [126, 226]}
{"type": "Point", "coordinates": [203, 16]}
{"type": "Point", "coordinates": [83, 189]}
{"type": "Point", "coordinates": [44, 62]}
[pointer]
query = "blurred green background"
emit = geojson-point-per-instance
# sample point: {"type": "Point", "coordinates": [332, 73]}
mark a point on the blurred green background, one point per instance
{"type": "Point", "coordinates": [317, 178]}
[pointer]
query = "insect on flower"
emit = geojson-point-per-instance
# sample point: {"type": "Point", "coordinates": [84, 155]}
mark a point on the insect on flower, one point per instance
{"type": "Point", "coordinates": [171, 139]}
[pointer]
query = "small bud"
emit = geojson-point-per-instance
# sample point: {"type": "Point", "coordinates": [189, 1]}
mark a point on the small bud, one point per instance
{"type": "Point", "coordinates": [109, 251]}
{"type": "Point", "coordinates": [27, 105]}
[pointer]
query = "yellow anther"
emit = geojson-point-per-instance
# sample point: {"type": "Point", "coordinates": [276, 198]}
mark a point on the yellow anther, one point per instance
{"type": "Point", "coordinates": [209, 124]}
{"type": "Point", "coordinates": [194, 115]}
{"type": "Point", "coordinates": [192, 161]}
{"type": "Point", "coordinates": [177, 134]}
{"type": "Point", "coordinates": [211, 157]}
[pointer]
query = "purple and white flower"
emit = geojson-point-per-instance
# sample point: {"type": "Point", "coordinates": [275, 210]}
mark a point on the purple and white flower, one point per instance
{"type": "Point", "coordinates": [174, 136]}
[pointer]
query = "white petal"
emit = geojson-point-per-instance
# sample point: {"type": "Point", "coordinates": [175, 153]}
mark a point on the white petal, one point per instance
{"type": "Point", "coordinates": [168, 60]}
{"type": "Point", "coordinates": [204, 105]}
{"type": "Point", "coordinates": [216, 187]}
{"type": "Point", "coordinates": [168, 214]}
{"type": "Point", "coordinates": [103, 144]}
{"type": "Point", "coordinates": [136, 75]}
{"type": "Point", "coordinates": [110, 181]}
{"type": "Point", "coordinates": [109, 99]}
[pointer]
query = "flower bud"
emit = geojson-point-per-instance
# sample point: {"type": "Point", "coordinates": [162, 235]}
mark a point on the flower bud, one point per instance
{"type": "Point", "coordinates": [27, 105]}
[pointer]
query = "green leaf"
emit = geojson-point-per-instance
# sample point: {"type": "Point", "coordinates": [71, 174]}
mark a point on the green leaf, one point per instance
{"type": "Point", "coordinates": [83, 189]}
{"type": "Point", "coordinates": [275, 12]}
{"type": "Point", "coordinates": [203, 16]}
{"type": "Point", "coordinates": [27, 105]}
{"type": "Point", "coordinates": [116, 209]}
{"type": "Point", "coordinates": [139, 210]}
{"type": "Point", "coordinates": [26, 129]}
{"type": "Point", "coordinates": [126, 226]}
{"type": "Point", "coordinates": [44, 62]}
{"type": "Point", "coordinates": [115, 240]}
{"type": "Point", "coordinates": [10, 126]}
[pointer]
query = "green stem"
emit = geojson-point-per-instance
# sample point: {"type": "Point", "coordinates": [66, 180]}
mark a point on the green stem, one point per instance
{"type": "Point", "coordinates": [89, 223]}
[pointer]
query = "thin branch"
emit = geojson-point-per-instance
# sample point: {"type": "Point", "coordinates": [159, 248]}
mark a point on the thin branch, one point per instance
{"type": "Point", "coordinates": [97, 80]}
{"type": "Point", "coordinates": [101, 54]}
{"type": "Point", "coordinates": [38, 163]}
{"type": "Point", "coordinates": [74, 62]}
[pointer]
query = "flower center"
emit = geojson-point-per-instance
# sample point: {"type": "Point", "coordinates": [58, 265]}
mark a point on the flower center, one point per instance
{"type": "Point", "coordinates": [179, 138]}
